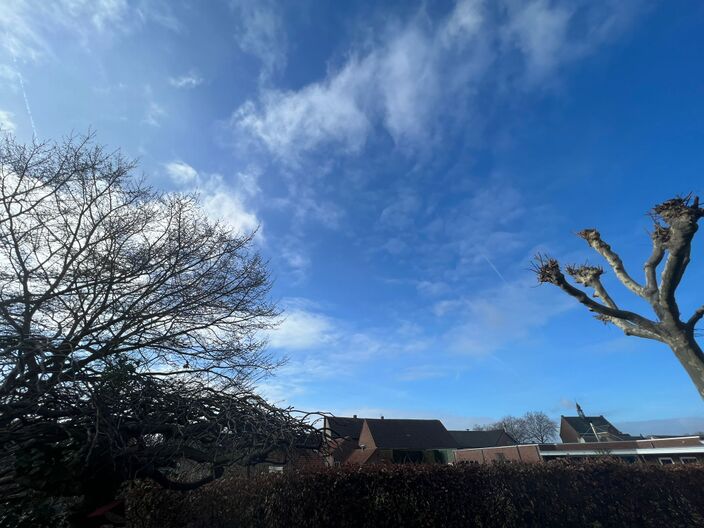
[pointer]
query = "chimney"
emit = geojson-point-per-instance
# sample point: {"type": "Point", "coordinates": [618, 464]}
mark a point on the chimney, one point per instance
{"type": "Point", "coordinates": [354, 416]}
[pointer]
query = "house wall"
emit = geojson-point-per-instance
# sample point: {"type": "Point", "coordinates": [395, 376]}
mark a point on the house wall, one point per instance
{"type": "Point", "coordinates": [686, 441]}
{"type": "Point", "coordinates": [306, 459]}
{"type": "Point", "coordinates": [530, 453]}
{"type": "Point", "coordinates": [340, 450]}
{"type": "Point", "coordinates": [469, 455]}
{"type": "Point", "coordinates": [567, 434]}
{"type": "Point", "coordinates": [524, 453]}
{"type": "Point", "coordinates": [366, 438]}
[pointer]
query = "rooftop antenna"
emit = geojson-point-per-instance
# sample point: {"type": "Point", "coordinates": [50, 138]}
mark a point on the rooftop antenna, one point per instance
{"type": "Point", "coordinates": [580, 412]}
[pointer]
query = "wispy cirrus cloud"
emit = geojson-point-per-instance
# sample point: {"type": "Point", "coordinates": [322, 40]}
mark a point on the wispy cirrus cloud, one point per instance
{"type": "Point", "coordinates": [187, 80]}
{"type": "Point", "coordinates": [420, 71]}
{"type": "Point", "coordinates": [489, 320]}
{"type": "Point", "coordinates": [27, 26]}
{"type": "Point", "coordinates": [260, 31]}
{"type": "Point", "coordinates": [154, 114]}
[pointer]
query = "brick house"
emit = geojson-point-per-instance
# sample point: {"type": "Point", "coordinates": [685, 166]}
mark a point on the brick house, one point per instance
{"type": "Point", "coordinates": [370, 440]}
{"type": "Point", "coordinates": [342, 436]}
{"type": "Point", "coordinates": [582, 428]}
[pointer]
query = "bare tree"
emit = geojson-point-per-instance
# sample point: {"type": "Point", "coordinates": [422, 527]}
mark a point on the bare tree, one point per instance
{"type": "Point", "coordinates": [532, 427]}
{"type": "Point", "coordinates": [540, 428]}
{"type": "Point", "coordinates": [130, 327]}
{"type": "Point", "coordinates": [675, 224]}
{"type": "Point", "coordinates": [515, 426]}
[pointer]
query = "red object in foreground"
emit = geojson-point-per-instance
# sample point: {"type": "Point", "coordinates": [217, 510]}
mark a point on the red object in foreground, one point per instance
{"type": "Point", "coordinates": [105, 509]}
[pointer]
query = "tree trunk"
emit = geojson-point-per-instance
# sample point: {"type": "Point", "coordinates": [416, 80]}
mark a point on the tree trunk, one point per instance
{"type": "Point", "coordinates": [691, 356]}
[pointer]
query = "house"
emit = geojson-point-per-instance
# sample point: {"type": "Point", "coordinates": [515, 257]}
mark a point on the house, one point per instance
{"type": "Point", "coordinates": [472, 439]}
{"type": "Point", "coordinates": [380, 440]}
{"type": "Point", "coordinates": [582, 428]}
{"type": "Point", "coordinates": [342, 435]}
{"type": "Point", "coordinates": [673, 450]}
{"type": "Point", "coordinates": [593, 436]}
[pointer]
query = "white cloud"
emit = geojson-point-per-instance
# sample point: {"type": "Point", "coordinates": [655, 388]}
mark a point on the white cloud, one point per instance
{"type": "Point", "coordinates": [154, 113]}
{"type": "Point", "coordinates": [539, 30]}
{"type": "Point", "coordinates": [221, 200]}
{"type": "Point", "coordinates": [25, 24]}
{"type": "Point", "coordinates": [295, 257]}
{"type": "Point", "coordinates": [420, 71]}
{"type": "Point", "coordinates": [6, 122]}
{"type": "Point", "coordinates": [260, 32]}
{"type": "Point", "coordinates": [181, 173]}
{"type": "Point", "coordinates": [329, 112]}
{"type": "Point", "coordinates": [549, 34]}
{"type": "Point", "coordinates": [466, 19]}
{"type": "Point", "coordinates": [500, 316]}
{"type": "Point", "coordinates": [103, 13]}
{"type": "Point", "coordinates": [321, 347]}
{"type": "Point", "coordinates": [294, 379]}
{"type": "Point", "coordinates": [188, 80]}
{"type": "Point", "coordinates": [302, 329]}
{"type": "Point", "coordinates": [29, 27]}
{"type": "Point", "coordinates": [9, 77]}
{"type": "Point", "coordinates": [432, 288]}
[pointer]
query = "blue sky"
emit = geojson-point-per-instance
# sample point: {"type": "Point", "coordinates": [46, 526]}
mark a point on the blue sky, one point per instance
{"type": "Point", "coordinates": [404, 160]}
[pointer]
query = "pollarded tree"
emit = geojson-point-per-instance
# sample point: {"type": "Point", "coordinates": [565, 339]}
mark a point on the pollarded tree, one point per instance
{"type": "Point", "coordinates": [130, 328]}
{"type": "Point", "coordinates": [675, 224]}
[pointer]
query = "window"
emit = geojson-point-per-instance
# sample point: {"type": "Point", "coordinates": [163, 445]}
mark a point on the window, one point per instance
{"type": "Point", "coordinates": [688, 460]}
{"type": "Point", "coordinates": [665, 461]}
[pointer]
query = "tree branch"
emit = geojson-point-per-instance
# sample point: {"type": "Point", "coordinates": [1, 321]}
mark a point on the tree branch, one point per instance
{"type": "Point", "coordinates": [682, 219]}
{"type": "Point", "coordinates": [630, 329]}
{"type": "Point", "coordinates": [590, 276]}
{"type": "Point", "coordinates": [548, 270]}
{"type": "Point", "coordinates": [659, 236]}
{"type": "Point", "coordinates": [696, 316]}
{"type": "Point", "coordinates": [593, 238]}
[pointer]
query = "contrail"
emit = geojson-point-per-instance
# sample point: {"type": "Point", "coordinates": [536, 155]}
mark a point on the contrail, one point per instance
{"type": "Point", "coordinates": [26, 100]}
{"type": "Point", "coordinates": [494, 268]}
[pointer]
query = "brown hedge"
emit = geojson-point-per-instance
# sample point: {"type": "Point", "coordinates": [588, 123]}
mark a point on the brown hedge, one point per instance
{"type": "Point", "coordinates": [596, 494]}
